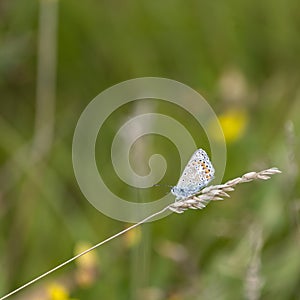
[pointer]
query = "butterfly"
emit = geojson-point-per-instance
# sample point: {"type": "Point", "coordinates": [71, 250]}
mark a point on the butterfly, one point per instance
{"type": "Point", "coordinates": [196, 175]}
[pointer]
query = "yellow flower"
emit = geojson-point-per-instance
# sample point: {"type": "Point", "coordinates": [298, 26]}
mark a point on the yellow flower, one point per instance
{"type": "Point", "coordinates": [132, 237]}
{"type": "Point", "coordinates": [89, 259]}
{"type": "Point", "coordinates": [88, 265]}
{"type": "Point", "coordinates": [233, 123]}
{"type": "Point", "coordinates": [57, 291]}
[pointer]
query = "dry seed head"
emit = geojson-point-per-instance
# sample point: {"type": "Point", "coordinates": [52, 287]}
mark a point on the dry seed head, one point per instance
{"type": "Point", "coordinates": [216, 192]}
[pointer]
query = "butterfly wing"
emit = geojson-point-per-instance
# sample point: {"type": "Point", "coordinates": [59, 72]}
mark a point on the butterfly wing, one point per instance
{"type": "Point", "coordinates": [197, 174]}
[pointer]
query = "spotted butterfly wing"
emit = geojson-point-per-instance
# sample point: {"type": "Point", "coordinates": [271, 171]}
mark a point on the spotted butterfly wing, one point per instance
{"type": "Point", "coordinates": [196, 175]}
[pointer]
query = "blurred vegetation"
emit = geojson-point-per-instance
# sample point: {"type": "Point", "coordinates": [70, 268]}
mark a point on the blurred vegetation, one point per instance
{"type": "Point", "coordinates": [243, 57]}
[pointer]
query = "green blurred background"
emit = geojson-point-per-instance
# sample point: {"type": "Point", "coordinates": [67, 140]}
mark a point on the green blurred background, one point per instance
{"type": "Point", "coordinates": [243, 57]}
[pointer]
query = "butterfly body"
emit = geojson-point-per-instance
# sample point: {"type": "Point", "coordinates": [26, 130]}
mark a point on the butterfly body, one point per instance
{"type": "Point", "coordinates": [196, 175]}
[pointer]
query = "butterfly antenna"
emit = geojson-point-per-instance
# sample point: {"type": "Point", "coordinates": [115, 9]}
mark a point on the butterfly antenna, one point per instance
{"type": "Point", "coordinates": [162, 185]}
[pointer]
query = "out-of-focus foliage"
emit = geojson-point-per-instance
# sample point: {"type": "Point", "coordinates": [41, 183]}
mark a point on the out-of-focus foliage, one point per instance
{"type": "Point", "coordinates": [243, 57]}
